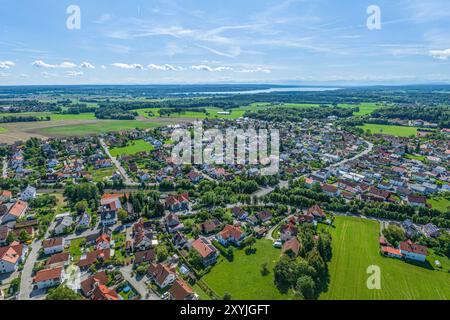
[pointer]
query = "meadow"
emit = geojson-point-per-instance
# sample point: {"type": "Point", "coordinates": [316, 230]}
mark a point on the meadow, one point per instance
{"type": "Point", "coordinates": [134, 147]}
{"type": "Point", "coordinates": [355, 248]}
{"type": "Point", "coordinates": [242, 277]}
{"type": "Point", "coordinates": [442, 204]}
{"type": "Point", "coordinates": [398, 131]}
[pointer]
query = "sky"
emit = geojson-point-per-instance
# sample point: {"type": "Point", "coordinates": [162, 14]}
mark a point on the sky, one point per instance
{"type": "Point", "coordinates": [224, 41]}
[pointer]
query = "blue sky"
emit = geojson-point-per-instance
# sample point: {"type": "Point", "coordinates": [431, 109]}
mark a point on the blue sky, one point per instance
{"type": "Point", "coordinates": [198, 41]}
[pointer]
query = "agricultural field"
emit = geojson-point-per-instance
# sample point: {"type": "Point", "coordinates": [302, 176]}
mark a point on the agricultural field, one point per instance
{"type": "Point", "coordinates": [364, 108]}
{"type": "Point", "coordinates": [135, 147]}
{"type": "Point", "coordinates": [98, 127]}
{"type": "Point", "coordinates": [355, 247]}
{"type": "Point", "coordinates": [211, 113]}
{"type": "Point", "coordinates": [398, 131]}
{"type": "Point", "coordinates": [242, 278]}
{"type": "Point", "coordinates": [53, 116]}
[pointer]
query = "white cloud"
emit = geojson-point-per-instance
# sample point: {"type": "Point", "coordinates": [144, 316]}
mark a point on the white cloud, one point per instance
{"type": "Point", "coordinates": [128, 66]}
{"type": "Point", "coordinates": [6, 64]}
{"type": "Point", "coordinates": [64, 65]}
{"type": "Point", "coordinates": [255, 70]}
{"type": "Point", "coordinates": [74, 73]}
{"type": "Point", "coordinates": [210, 69]}
{"type": "Point", "coordinates": [103, 67]}
{"type": "Point", "coordinates": [87, 65]}
{"type": "Point", "coordinates": [165, 67]}
{"type": "Point", "coordinates": [440, 54]}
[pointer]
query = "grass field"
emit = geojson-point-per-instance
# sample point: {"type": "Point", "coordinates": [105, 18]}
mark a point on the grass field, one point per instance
{"type": "Point", "coordinates": [364, 108]}
{"type": "Point", "coordinates": [242, 278]}
{"type": "Point", "coordinates": [211, 113]}
{"type": "Point", "coordinates": [441, 204]}
{"type": "Point", "coordinates": [99, 127]}
{"type": "Point", "coordinates": [355, 247]}
{"type": "Point", "coordinates": [3, 130]}
{"type": "Point", "coordinates": [135, 147]}
{"type": "Point", "coordinates": [398, 131]}
{"type": "Point", "coordinates": [53, 116]}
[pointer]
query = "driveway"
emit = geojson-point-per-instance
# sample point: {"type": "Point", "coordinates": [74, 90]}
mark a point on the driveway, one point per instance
{"type": "Point", "coordinates": [139, 284]}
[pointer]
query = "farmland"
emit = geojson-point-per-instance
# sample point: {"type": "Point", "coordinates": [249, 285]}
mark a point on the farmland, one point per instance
{"type": "Point", "coordinates": [355, 247]}
{"type": "Point", "coordinates": [398, 131]}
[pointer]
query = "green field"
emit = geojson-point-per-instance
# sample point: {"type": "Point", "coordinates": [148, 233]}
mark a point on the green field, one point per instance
{"type": "Point", "coordinates": [135, 147]}
{"type": "Point", "coordinates": [99, 127]}
{"type": "Point", "coordinates": [53, 116]}
{"type": "Point", "coordinates": [398, 131]}
{"type": "Point", "coordinates": [364, 108]}
{"type": "Point", "coordinates": [242, 278]}
{"type": "Point", "coordinates": [211, 113]}
{"type": "Point", "coordinates": [441, 204]}
{"type": "Point", "coordinates": [355, 247]}
{"type": "Point", "coordinates": [3, 130]}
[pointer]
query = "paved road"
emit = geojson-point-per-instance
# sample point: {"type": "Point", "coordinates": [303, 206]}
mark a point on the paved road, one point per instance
{"type": "Point", "coordinates": [365, 152]}
{"type": "Point", "coordinates": [139, 285]}
{"type": "Point", "coordinates": [119, 167]}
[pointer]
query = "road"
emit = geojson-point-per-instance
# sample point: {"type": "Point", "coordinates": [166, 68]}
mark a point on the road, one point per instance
{"type": "Point", "coordinates": [365, 152]}
{"type": "Point", "coordinates": [119, 167]}
{"type": "Point", "coordinates": [139, 285]}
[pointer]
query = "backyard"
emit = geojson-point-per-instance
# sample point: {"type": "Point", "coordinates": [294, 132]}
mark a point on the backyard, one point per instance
{"type": "Point", "coordinates": [242, 278]}
{"type": "Point", "coordinates": [134, 147]}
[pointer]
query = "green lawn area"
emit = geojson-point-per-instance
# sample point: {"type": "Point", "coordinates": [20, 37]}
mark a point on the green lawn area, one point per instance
{"type": "Point", "coordinates": [75, 249]}
{"type": "Point", "coordinates": [201, 294]}
{"type": "Point", "coordinates": [134, 147]}
{"type": "Point", "coordinates": [399, 131]}
{"type": "Point", "coordinates": [100, 174]}
{"type": "Point", "coordinates": [99, 127]}
{"type": "Point", "coordinates": [212, 113]}
{"type": "Point", "coordinates": [242, 278]}
{"type": "Point", "coordinates": [3, 130]}
{"type": "Point", "coordinates": [415, 157]}
{"type": "Point", "coordinates": [355, 247]}
{"type": "Point", "coordinates": [441, 204]}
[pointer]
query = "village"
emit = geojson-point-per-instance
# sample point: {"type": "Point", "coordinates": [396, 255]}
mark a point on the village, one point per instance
{"type": "Point", "coordinates": [110, 217]}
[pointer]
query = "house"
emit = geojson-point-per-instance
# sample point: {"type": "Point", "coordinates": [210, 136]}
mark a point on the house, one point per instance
{"type": "Point", "coordinates": [291, 246]}
{"type": "Point", "coordinates": [88, 285]}
{"type": "Point", "coordinates": [93, 257]}
{"type": "Point", "coordinates": [288, 231]}
{"type": "Point", "coordinates": [419, 201]}
{"type": "Point", "coordinates": [253, 220]}
{"type": "Point", "coordinates": [102, 292]}
{"type": "Point", "coordinates": [209, 226]}
{"type": "Point", "coordinates": [177, 202]}
{"type": "Point", "coordinates": [84, 221]}
{"type": "Point", "coordinates": [430, 230]}
{"type": "Point", "coordinates": [206, 250]}
{"type": "Point", "coordinates": [413, 251]}
{"type": "Point", "coordinates": [103, 242]}
{"type": "Point", "coordinates": [63, 225]}
{"type": "Point", "coordinates": [109, 207]}
{"type": "Point", "coordinates": [4, 231]}
{"type": "Point", "coordinates": [316, 212]}
{"type": "Point", "coordinates": [179, 240]}
{"type": "Point", "coordinates": [264, 216]}
{"type": "Point", "coordinates": [58, 259]}
{"type": "Point", "coordinates": [5, 196]}
{"type": "Point", "coordinates": [108, 218]}
{"type": "Point", "coordinates": [194, 177]}
{"type": "Point", "coordinates": [144, 256]}
{"type": "Point", "coordinates": [239, 213]}
{"type": "Point", "coordinates": [48, 278]}
{"type": "Point", "coordinates": [391, 252]}
{"type": "Point", "coordinates": [173, 223]}
{"type": "Point", "coordinates": [11, 256]}
{"type": "Point", "coordinates": [16, 211]}
{"type": "Point", "coordinates": [231, 235]}
{"type": "Point", "coordinates": [181, 291]}
{"type": "Point", "coordinates": [53, 245]}
{"type": "Point", "coordinates": [162, 274]}
{"type": "Point", "coordinates": [330, 190]}
{"type": "Point", "coordinates": [28, 194]}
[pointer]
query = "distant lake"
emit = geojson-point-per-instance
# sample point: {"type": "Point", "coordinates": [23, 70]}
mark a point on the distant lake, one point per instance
{"type": "Point", "coordinates": [270, 90]}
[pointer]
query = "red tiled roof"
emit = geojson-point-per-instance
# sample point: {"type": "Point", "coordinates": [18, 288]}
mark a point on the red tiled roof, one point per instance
{"type": "Point", "coordinates": [203, 247]}
{"type": "Point", "coordinates": [231, 232]}
{"type": "Point", "coordinates": [49, 243]}
{"type": "Point", "coordinates": [409, 246]}
{"type": "Point", "coordinates": [48, 274]}
{"type": "Point", "coordinates": [18, 208]}
{"type": "Point", "coordinates": [180, 290]}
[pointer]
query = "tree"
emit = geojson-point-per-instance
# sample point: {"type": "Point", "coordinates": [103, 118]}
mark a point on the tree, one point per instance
{"type": "Point", "coordinates": [24, 236]}
{"type": "Point", "coordinates": [81, 206]}
{"type": "Point", "coordinates": [162, 253]}
{"type": "Point", "coordinates": [123, 215]}
{"type": "Point", "coordinates": [394, 234]}
{"type": "Point", "coordinates": [63, 293]}
{"type": "Point", "coordinates": [305, 284]}
{"type": "Point", "coordinates": [265, 269]}
{"type": "Point", "coordinates": [227, 296]}
{"type": "Point", "coordinates": [195, 259]}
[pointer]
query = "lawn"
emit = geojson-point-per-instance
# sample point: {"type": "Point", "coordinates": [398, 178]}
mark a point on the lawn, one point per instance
{"type": "Point", "coordinates": [242, 278]}
{"type": "Point", "coordinates": [355, 247]}
{"type": "Point", "coordinates": [76, 246]}
{"type": "Point", "coordinates": [99, 127]}
{"type": "Point", "coordinates": [364, 108]}
{"type": "Point", "coordinates": [53, 116]}
{"type": "Point", "coordinates": [99, 175]}
{"type": "Point", "coordinates": [3, 130]}
{"type": "Point", "coordinates": [211, 113]}
{"type": "Point", "coordinates": [134, 147]}
{"type": "Point", "coordinates": [399, 131]}
{"type": "Point", "coordinates": [441, 204]}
